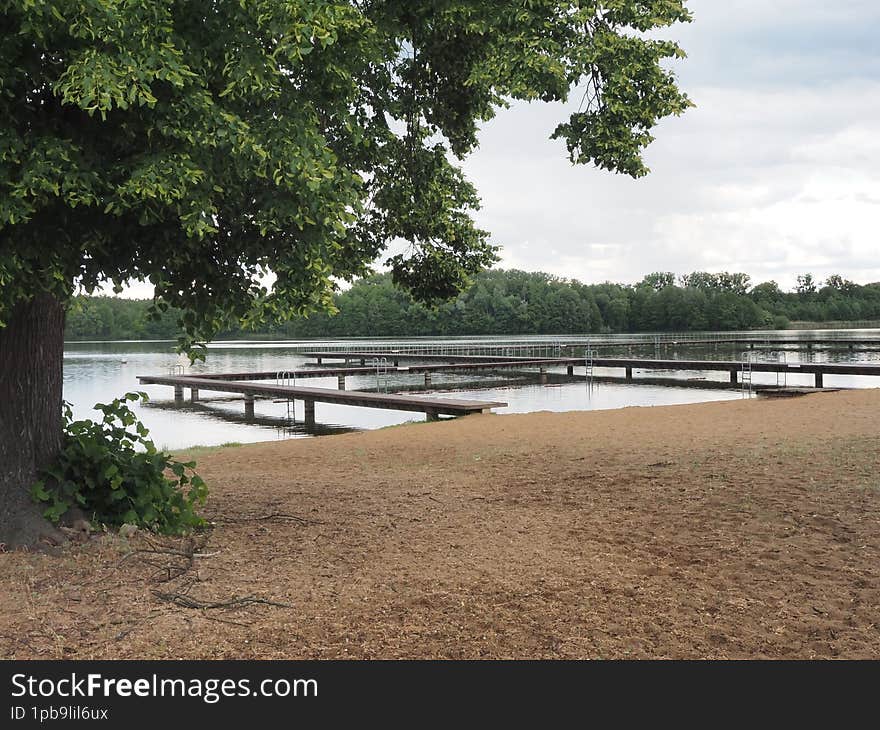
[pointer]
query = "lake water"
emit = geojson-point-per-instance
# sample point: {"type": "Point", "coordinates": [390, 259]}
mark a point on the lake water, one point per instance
{"type": "Point", "coordinates": [99, 372]}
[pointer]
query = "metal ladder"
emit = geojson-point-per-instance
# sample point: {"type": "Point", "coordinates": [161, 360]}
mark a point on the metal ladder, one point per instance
{"type": "Point", "coordinates": [589, 357]}
{"type": "Point", "coordinates": [287, 378]}
{"type": "Point", "coordinates": [746, 374]}
{"type": "Point", "coordinates": [781, 376]}
{"type": "Point", "coordinates": [381, 365]}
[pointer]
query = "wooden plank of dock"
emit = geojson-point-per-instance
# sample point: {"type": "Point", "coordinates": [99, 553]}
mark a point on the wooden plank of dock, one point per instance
{"type": "Point", "coordinates": [432, 407]}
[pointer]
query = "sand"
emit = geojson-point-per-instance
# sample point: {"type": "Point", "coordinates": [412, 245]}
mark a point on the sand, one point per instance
{"type": "Point", "coordinates": [724, 530]}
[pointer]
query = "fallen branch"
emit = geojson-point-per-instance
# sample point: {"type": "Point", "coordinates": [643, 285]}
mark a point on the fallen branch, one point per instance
{"type": "Point", "coordinates": [181, 559]}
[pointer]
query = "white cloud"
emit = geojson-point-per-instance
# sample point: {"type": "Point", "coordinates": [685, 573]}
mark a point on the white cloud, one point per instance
{"type": "Point", "coordinates": [774, 173]}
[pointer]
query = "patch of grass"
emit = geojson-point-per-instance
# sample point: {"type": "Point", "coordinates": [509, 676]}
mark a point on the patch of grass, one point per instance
{"type": "Point", "coordinates": [407, 423]}
{"type": "Point", "coordinates": [200, 449]}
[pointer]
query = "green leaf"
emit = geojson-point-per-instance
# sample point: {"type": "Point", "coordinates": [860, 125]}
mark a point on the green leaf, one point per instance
{"type": "Point", "coordinates": [39, 493]}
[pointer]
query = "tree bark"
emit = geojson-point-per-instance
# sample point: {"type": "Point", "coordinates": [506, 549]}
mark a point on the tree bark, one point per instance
{"type": "Point", "coordinates": [31, 373]}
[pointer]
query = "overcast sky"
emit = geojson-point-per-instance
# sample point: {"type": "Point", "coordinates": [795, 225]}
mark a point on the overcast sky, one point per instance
{"type": "Point", "coordinates": [775, 173]}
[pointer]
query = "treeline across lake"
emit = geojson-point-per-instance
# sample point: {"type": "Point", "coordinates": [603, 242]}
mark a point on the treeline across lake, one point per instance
{"type": "Point", "coordinates": [511, 302]}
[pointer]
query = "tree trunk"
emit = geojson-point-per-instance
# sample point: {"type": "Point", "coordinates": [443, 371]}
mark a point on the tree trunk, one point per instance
{"type": "Point", "coordinates": [31, 363]}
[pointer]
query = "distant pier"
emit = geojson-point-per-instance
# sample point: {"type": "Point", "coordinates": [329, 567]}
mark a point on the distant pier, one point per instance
{"type": "Point", "coordinates": [734, 367]}
{"type": "Point", "coordinates": [557, 346]}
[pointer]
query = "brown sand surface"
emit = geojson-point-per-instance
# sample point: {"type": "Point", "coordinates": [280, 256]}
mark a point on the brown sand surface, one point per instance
{"type": "Point", "coordinates": [734, 529]}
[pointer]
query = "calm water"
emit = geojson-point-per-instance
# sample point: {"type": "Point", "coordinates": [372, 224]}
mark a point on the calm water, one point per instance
{"type": "Point", "coordinates": [98, 372]}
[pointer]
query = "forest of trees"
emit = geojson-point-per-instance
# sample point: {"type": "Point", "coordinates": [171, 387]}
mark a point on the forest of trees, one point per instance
{"type": "Point", "coordinates": [511, 302]}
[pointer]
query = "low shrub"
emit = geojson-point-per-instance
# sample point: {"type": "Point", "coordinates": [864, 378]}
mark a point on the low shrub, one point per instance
{"type": "Point", "coordinates": [115, 475]}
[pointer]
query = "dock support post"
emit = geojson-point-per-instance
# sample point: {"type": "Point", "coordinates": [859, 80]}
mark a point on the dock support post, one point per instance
{"type": "Point", "coordinates": [432, 416]}
{"type": "Point", "coordinates": [194, 395]}
{"type": "Point", "coordinates": [570, 369]}
{"type": "Point", "coordinates": [543, 375]}
{"type": "Point", "coordinates": [309, 410]}
{"type": "Point", "coordinates": [819, 380]}
{"type": "Point", "coordinates": [248, 406]}
{"type": "Point", "coordinates": [178, 395]}
{"type": "Point", "coordinates": [733, 376]}
{"type": "Point", "coordinates": [629, 373]}
{"type": "Point", "coordinates": [341, 382]}
{"type": "Point", "coordinates": [427, 380]}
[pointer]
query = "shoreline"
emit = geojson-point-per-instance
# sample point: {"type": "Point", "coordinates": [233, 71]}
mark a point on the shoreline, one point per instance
{"type": "Point", "coordinates": [728, 529]}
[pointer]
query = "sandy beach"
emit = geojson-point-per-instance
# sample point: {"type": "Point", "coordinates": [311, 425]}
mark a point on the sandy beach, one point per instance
{"type": "Point", "coordinates": [741, 529]}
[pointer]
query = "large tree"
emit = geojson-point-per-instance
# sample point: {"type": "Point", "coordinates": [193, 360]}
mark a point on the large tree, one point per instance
{"type": "Point", "coordinates": [202, 145]}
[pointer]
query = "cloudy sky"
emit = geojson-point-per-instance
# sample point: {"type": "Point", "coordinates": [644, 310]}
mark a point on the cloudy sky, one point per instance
{"type": "Point", "coordinates": [775, 173]}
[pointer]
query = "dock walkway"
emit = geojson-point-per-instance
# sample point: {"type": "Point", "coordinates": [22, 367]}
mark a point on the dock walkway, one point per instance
{"type": "Point", "coordinates": [431, 407]}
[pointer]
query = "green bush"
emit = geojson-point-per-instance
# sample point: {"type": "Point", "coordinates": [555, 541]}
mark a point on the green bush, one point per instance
{"type": "Point", "coordinates": [780, 322]}
{"type": "Point", "coordinates": [117, 476]}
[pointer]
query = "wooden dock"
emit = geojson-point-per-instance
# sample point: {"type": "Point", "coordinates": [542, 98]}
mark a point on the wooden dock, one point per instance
{"type": "Point", "coordinates": [433, 408]}
{"type": "Point", "coordinates": [286, 388]}
{"type": "Point", "coordinates": [733, 367]}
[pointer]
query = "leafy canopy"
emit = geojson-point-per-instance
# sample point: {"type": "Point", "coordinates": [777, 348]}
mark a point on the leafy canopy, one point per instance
{"type": "Point", "coordinates": [200, 146]}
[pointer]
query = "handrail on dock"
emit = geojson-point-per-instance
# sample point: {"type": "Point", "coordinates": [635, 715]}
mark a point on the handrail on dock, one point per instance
{"type": "Point", "coordinates": [557, 345]}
